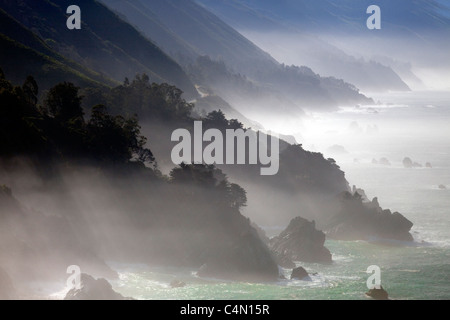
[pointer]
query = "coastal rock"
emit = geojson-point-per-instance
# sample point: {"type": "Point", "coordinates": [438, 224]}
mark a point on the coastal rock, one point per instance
{"type": "Point", "coordinates": [378, 294]}
{"type": "Point", "coordinates": [301, 241]}
{"type": "Point", "coordinates": [299, 273]}
{"type": "Point", "coordinates": [408, 163]}
{"type": "Point", "coordinates": [280, 259]}
{"type": "Point", "coordinates": [283, 260]}
{"type": "Point", "coordinates": [7, 290]}
{"type": "Point", "coordinates": [358, 192]}
{"type": "Point", "coordinates": [442, 187]}
{"type": "Point", "coordinates": [92, 289]}
{"type": "Point", "coordinates": [246, 259]}
{"type": "Point", "coordinates": [358, 220]}
{"type": "Point", "coordinates": [429, 165]}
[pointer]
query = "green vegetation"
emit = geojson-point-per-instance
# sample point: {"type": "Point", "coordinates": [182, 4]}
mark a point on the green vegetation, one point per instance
{"type": "Point", "coordinates": [58, 129]}
{"type": "Point", "coordinates": [105, 48]}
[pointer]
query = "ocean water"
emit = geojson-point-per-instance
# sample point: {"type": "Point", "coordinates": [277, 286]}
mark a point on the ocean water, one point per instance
{"type": "Point", "coordinates": [415, 125]}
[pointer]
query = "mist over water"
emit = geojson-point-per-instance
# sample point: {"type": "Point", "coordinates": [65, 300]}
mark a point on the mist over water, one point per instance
{"type": "Point", "coordinates": [353, 107]}
{"type": "Point", "coordinates": [413, 124]}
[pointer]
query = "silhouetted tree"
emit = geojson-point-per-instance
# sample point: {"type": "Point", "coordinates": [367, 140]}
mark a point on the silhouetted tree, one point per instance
{"type": "Point", "coordinates": [115, 138]}
{"type": "Point", "coordinates": [31, 90]}
{"type": "Point", "coordinates": [238, 196]}
{"type": "Point", "coordinates": [63, 102]}
{"type": "Point", "coordinates": [217, 120]}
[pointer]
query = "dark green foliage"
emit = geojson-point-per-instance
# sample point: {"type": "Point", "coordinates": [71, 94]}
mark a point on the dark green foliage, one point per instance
{"type": "Point", "coordinates": [63, 102]}
{"type": "Point", "coordinates": [47, 70]}
{"type": "Point", "coordinates": [237, 195]}
{"type": "Point", "coordinates": [217, 187]}
{"type": "Point", "coordinates": [58, 130]}
{"type": "Point", "coordinates": [123, 137]}
{"type": "Point", "coordinates": [217, 120]}
{"type": "Point", "coordinates": [31, 90]}
{"type": "Point", "coordinates": [106, 44]}
{"type": "Point", "coordinates": [148, 100]}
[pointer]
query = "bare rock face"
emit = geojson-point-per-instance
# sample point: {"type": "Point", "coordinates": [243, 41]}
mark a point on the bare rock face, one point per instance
{"type": "Point", "coordinates": [92, 289]}
{"type": "Point", "coordinates": [301, 241]}
{"type": "Point", "coordinates": [408, 163]}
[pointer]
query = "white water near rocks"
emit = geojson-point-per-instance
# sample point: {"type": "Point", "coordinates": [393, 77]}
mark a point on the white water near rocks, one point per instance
{"type": "Point", "coordinates": [414, 125]}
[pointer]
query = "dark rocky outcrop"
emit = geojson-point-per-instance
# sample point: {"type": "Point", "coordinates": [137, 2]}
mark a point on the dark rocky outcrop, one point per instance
{"type": "Point", "coordinates": [7, 290]}
{"type": "Point", "coordinates": [359, 220]}
{"type": "Point", "coordinates": [442, 187]}
{"type": "Point", "coordinates": [361, 193]}
{"type": "Point", "coordinates": [408, 163]}
{"type": "Point", "coordinates": [246, 259]}
{"type": "Point", "coordinates": [378, 294]}
{"type": "Point", "coordinates": [301, 241]}
{"type": "Point", "coordinates": [92, 289]}
{"type": "Point", "coordinates": [299, 273]}
{"type": "Point", "coordinates": [283, 260]}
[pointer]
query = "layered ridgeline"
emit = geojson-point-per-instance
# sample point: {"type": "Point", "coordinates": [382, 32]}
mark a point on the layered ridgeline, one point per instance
{"type": "Point", "coordinates": [236, 69]}
{"type": "Point", "coordinates": [36, 31]}
{"type": "Point", "coordinates": [86, 190]}
{"type": "Point", "coordinates": [332, 38]}
{"type": "Point", "coordinates": [21, 44]}
{"type": "Point", "coordinates": [307, 184]}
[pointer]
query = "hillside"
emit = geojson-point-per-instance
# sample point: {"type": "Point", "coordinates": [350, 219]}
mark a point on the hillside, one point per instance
{"type": "Point", "coordinates": [48, 66]}
{"type": "Point", "coordinates": [288, 32]}
{"type": "Point", "coordinates": [195, 32]}
{"type": "Point", "coordinates": [333, 39]}
{"type": "Point", "coordinates": [105, 44]}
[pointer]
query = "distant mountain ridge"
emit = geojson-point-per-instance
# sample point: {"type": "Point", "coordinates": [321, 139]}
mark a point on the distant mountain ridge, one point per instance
{"type": "Point", "coordinates": [403, 16]}
{"type": "Point", "coordinates": [187, 31]}
{"type": "Point", "coordinates": [333, 39]}
{"type": "Point", "coordinates": [21, 44]}
{"type": "Point", "coordinates": [289, 30]}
